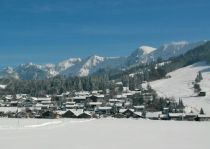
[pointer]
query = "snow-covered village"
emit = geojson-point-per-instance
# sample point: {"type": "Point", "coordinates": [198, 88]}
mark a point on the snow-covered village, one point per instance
{"type": "Point", "coordinates": [108, 74]}
{"type": "Point", "coordinates": [138, 103]}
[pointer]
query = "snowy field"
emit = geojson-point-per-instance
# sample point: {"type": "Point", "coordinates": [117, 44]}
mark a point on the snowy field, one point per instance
{"type": "Point", "coordinates": [103, 134]}
{"type": "Point", "coordinates": [180, 86]}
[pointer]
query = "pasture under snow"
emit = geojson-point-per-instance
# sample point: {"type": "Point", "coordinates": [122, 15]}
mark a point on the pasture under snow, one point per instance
{"type": "Point", "coordinates": [103, 134]}
{"type": "Point", "coordinates": [180, 85]}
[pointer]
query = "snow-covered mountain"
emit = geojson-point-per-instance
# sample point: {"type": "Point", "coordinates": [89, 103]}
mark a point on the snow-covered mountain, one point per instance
{"type": "Point", "coordinates": [67, 64]}
{"type": "Point", "coordinates": [147, 54]}
{"type": "Point", "coordinates": [174, 49]}
{"type": "Point", "coordinates": [70, 67]}
{"type": "Point", "coordinates": [9, 72]}
{"type": "Point", "coordinates": [32, 71]}
{"type": "Point", "coordinates": [140, 55]}
{"type": "Point", "coordinates": [92, 64]}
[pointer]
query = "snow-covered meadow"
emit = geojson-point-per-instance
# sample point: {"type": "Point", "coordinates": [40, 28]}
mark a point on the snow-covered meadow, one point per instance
{"type": "Point", "coordinates": [103, 134]}
{"type": "Point", "coordinates": [180, 85]}
{"type": "Point", "coordinates": [120, 133]}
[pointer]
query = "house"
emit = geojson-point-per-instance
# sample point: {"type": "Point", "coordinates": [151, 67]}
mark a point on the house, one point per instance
{"type": "Point", "coordinates": [21, 96]}
{"type": "Point", "coordinates": [100, 98]}
{"type": "Point", "coordinates": [74, 106]}
{"type": "Point", "coordinates": [84, 115]}
{"type": "Point", "coordinates": [139, 108]}
{"type": "Point", "coordinates": [92, 98]}
{"type": "Point", "coordinates": [126, 89]}
{"type": "Point", "coordinates": [70, 105]}
{"type": "Point", "coordinates": [119, 84]}
{"type": "Point", "coordinates": [91, 106]}
{"type": "Point", "coordinates": [128, 94]}
{"type": "Point", "coordinates": [74, 113]}
{"type": "Point", "coordinates": [202, 94]}
{"type": "Point", "coordinates": [9, 97]}
{"type": "Point", "coordinates": [165, 111]}
{"type": "Point", "coordinates": [22, 114]}
{"type": "Point", "coordinates": [153, 115]}
{"type": "Point", "coordinates": [138, 115]}
{"type": "Point", "coordinates": [95, 92]}
{"type": "Point", "coordinates": [13, 103]}
{"type": "Point", "coordinates": [164, 116]}
{"type": "Point", "coordinates": [95, 98]}
{"type": "Point", "coordinates": [121, 96]}
{"type": "Point", "coordinates": [82, 93]}
{"type": "Point", "coordinates": [104, 110]}
{"type": "Point", "coordinates": [59, 100]}
{"type": "Point", "coordinates": [39, 107]}
{"type": "Point", "coordinates": [119, 115]}
{"type": "Point", "coordinates": [118, 87]}
{"type": "Point", "coordinates": [94, 101]}
{"type": "Point", "coordinates": [2, 114]}
{"type": "Point", "coordinates": [129, 113]}
{"type": "Point", "coordinates": [203, 117]}
{"type": "Point", "coordinates": [127, 104]}
{"type": "Point", "coordinates": [44, 103]}
{"type": "Point", "coordinates": [42, 100]}
{"type": "Point", "coordinates": [11, 114]}
{"type": "Point", "coordinates": [113, 100]}
{"type": "Point", "coordinates": [190, 117]}
{"type": "Point", "coordinates": [66, 94]}
{"type": "Point", "coordinates": [147, 97]}
{"type": "Point", "coordinates": [79, 99]}
{"type": "Point", "coordinates": [49, 114]}
{"type": "Point", "coordinates": [118, 106]}
{"type": "Point", "coordinates": [176, 116]}
{"type": "Point", "coordinates": [78, 113]}
{"type": "Point", "coordinates": [10, 109]}
{"type": "Point", "coordinates": [26, 103]}
{"type": "Point", "coordinates": [69, 114]}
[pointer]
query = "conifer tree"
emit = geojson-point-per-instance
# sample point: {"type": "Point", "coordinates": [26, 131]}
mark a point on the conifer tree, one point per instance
{"type": "Point", "coordinates": [201, 111]}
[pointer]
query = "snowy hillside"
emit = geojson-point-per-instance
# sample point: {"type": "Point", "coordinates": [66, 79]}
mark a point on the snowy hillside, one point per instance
{"type": "Point", "coordinates": [180, 86]}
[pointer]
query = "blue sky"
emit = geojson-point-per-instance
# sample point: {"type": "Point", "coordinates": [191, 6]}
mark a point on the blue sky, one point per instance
{"type": "Point", "coordinates": [48, 31]}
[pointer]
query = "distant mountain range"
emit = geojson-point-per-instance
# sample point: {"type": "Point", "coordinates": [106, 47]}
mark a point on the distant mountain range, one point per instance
{"type": "Point", "coordinates": [92, 64]}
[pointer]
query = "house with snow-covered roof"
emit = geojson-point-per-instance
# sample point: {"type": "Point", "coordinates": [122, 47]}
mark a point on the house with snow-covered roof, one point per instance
{"type": "Point", "coordinates": [82, 93]}
{"type": "Point", "coordinates": [130, 113]}
{"type": "Point", "coordinates": [153, 115]}
{"type": "Point", "coordinates": [76, 113]}
{"type": "Point", "coordinates": [139, 108]}
{"type": "Point", "coordinates": [104, 110]}
{"type": "Point", "coordinates": [79, 99]}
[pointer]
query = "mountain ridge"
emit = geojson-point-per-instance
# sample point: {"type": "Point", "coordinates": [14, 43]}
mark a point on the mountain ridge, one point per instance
{"type": "Point", "coordinates": [90, 65]}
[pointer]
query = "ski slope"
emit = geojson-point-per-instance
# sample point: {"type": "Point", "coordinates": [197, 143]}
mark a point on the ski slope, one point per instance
{"type": "Point", "coordinates": [180, 85]}
{"type": "Point", "coordinates": [103, 134]}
